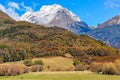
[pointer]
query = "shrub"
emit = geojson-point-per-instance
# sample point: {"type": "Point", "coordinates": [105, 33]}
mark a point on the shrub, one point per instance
{"type": "Point", "coordinates": [36, 68]}
{"type": "Point", "coordinates": [38, 62]}
{"type": "Point", "coordinates": [12, 69]}
{"type": "Point", "coordinates": [1, 60]}
{"type": "Point", "coordinates": [96, 67]}
{"type": "Point", "coordinates": [76, 62]}
{"type": "Point", "coordinates": [3, 46]}
{"type": "Point", "coordinates": [81, 67]}
{"type": "Point", "coordinates": [109, 69]}
{"type": "Point", "coordinates": [28, 62]}
{"type": "Point", "coordinates": [117, 64]}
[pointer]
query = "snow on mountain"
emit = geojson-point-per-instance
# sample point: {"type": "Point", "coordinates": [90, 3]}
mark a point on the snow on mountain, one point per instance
{"type": "Point", "coordinates": [55, 15]}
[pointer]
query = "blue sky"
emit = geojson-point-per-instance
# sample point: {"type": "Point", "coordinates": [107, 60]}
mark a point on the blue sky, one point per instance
{"type": "Point", "coordinates": [92, 12]}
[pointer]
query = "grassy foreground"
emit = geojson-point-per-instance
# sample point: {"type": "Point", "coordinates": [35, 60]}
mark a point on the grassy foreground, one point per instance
{"type": "Point", "coordinates": [61, 76]}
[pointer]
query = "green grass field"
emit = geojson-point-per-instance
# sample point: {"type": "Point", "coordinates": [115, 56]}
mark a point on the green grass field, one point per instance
{"type": "Point", "coordinates": [61, 76]}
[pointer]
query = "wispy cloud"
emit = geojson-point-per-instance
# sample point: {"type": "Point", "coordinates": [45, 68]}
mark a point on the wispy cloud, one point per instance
{"type": "Point", "coordinates": [2, 8]}
{"type": "Point", "coordinates": [112, 3]}
{"type": "Point", "coordinates": [26, 8]}
{"type": "Point", "coordinates": [13, 5]}
{"type": "Point", "coordinates": [12, 9]}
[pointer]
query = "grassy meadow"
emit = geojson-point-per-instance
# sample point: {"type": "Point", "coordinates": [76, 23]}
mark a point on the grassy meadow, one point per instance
{"type": "Point", "coordinates": [53, 73]}
{"type": "Point", "coordinates": [61, 76]}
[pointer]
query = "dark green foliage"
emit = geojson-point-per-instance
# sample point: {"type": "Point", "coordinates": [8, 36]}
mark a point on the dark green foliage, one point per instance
{"type": "Point", "coordinates": [28, 62]}
{"type": "Point", "coordinates": [76, 62]}
{"type": "Point", "coordinates": [38, 62]}
{"type": "Point", "coordinates": [3, 46]}
{"type": "Point", "coordinates": [1, 60]}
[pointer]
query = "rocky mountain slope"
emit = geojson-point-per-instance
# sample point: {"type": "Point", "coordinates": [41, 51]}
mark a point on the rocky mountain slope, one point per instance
{"type": "Point", "coordinates": [56, 15]}
{"type": "Point", "coordinates": [108, 32]}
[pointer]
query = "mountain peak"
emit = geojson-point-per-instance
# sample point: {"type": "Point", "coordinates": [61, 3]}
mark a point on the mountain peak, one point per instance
{"type": "Point", "coordinates": [113, 21]}
{"type": "Point", "coordinates": [47, 13]}
{"type": "Point", "coordinates": [56, 15]}
{"type": "Point", "coordinates": [56, 8]}
{"type": "Point", "coordinates": [49, 7]}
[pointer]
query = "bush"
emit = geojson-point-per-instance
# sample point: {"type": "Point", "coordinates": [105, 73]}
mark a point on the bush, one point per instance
{"type": "Point", "coordinates": [109, 69]}
{"type": "Point", "coordinates": [1, 60]}
{"type": "Point", "coordinates": [28, 62]}
{"type": "Point", "coordinates": [38, 62]}
{"type": "Point", "coordinates": [117, 64]}
{"type": "Point", "coordinates": [81, 67]}
{"type": "Point", "coordinates": [36, 68]}
{"type": "Point", "coordinates": [12, 70]}
{"type": "Point", "coordinates": [3, 46]}
{"type": "Point", "coordinates": [96, 67]}
{"type": "Point", "coordinates": [76, 62]}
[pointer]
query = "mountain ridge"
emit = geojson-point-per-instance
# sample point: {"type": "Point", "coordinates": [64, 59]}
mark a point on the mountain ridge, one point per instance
{"type": "Point", "coordinates": [56, 15]}
{"type": "Point", "coordinates": [111, 22]}
{"type": "Point", "coordinates": [108, 32]}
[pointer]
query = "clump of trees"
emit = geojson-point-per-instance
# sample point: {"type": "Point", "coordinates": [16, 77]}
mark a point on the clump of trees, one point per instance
{"type": "Point", "coordinates": [35, 66]}
{"type": "Point", "coordinates": [30, 62]}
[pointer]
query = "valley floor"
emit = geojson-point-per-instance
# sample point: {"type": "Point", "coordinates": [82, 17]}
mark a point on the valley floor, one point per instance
{"type": "Point", "coordinates": [72, 75]}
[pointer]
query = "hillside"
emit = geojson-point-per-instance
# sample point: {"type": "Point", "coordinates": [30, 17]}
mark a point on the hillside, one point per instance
{"type": "Point", "coordinates": [24, 40]}
{"type": "Point", "coordinates": [5, 19]}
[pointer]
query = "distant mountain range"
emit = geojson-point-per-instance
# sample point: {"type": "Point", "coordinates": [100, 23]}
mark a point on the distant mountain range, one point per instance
{"type": "Point", "coordinates": [108, 32]}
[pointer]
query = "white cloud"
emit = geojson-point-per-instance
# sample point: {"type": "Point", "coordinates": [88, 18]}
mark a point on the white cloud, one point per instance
{"type": "Point", "coordinates": [13, 8]}
{"type": "Point", "coordinates": [112, 3]}
{"type": "Point", "coordinates": [2, 8]}
{"type": "Point", "coordinates": [11, 11]}
{"type": "Point", "coordinates": [27, 8]}
{"type": "Point", "coordinates": [13, 5]}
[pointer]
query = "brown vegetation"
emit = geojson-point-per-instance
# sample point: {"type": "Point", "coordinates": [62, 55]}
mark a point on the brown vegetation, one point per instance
{"type": "Point", "coordinates": [12, 70]}
{"type": "Point", "coordinates": [81, 67]}
{"type": "Point", "coordinates": [96, 67]}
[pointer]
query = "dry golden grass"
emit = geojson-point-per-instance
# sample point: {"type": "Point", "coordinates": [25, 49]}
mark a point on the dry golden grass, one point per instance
{"type": "Point", "coordinates": [54, 63]}
{"type": "Point", "coordinates": [57, 64]}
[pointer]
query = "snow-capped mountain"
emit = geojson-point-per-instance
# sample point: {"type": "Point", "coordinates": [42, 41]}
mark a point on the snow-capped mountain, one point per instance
{"type": "Point", "coordinates": [56, 15]}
